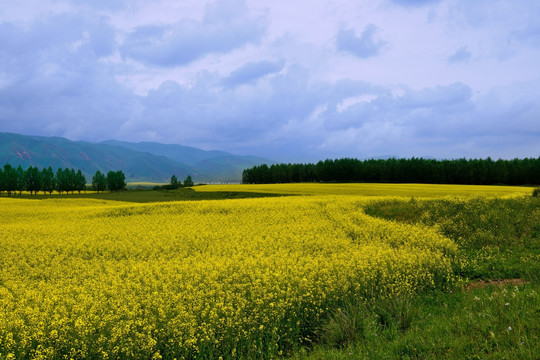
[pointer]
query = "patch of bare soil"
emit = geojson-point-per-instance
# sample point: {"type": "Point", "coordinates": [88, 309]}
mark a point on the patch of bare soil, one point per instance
{"type": "Point", "coordinates": [499, 283]}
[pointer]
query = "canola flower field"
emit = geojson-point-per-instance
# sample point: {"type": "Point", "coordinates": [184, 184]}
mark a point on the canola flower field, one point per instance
{"type": "Point", "coordinates": [252, 278]}
{"type": "Point", "coordinates": [369, 189]}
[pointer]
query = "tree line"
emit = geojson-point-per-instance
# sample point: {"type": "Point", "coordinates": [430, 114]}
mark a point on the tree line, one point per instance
{"type": "Point", "coordinates": [414, 170]}
{"type": "Point", "coordinates": [113, 181]}
{"type": "Point", "coordinates": [13, 180]}
{"type": "Point", "coordinates": [175, 183]}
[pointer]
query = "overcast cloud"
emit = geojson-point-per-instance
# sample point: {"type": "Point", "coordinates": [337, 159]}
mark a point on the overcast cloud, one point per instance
{"type": "Point", "coordinates": [289, 81]}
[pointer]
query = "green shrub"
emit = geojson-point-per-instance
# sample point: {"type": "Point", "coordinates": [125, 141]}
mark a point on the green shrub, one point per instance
{"type": "Point", "coordinates": [361, 321]}
{"type": "Point", "coordinates": [536, 192]}
{"type": "Point", "coordinates": [347, 325]}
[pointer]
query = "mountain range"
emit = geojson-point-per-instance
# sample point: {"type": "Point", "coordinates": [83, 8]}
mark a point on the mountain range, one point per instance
{"type": "Point", "coordinates": [143, 161]}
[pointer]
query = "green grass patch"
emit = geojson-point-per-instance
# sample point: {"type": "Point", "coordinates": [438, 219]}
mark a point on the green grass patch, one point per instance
{"type": "Point", "coordinates": [484, 323]}
{"type": "Point", "coordinates": [145, 196]}
{"type": "Point", "coordinates": [498, 239]}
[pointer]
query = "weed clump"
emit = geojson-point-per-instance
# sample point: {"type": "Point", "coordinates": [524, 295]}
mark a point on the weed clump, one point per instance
{"type": "Point", "coordinates": [357, 321]}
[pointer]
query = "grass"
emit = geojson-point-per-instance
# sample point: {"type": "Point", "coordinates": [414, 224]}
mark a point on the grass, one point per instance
{"type": "Point", "coordinates": [498, 239]}
{"type": "Point", "coordinates": [145, 196]}
{"type": "Point", "coordinates": [143, 185]}
{"type": "Point", "coordinates": [487, 323]}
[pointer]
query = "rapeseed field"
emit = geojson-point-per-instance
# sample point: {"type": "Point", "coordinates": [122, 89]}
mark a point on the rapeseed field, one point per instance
{"type": "Point", "coordinates": [251, 278]}
{"type": "Point", "coordinates": [368, 189]}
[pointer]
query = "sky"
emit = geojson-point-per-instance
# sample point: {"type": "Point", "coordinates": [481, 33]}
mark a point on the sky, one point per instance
{"type": "Point", "coordinates": [291, 81]}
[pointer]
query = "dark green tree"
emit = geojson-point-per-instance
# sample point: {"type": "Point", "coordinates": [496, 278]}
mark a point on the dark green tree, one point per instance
{"type": "Point", "coordinates": [99, 182]}
{"type": "Point", "coordinates": [61, 180]}
{"type": "Point", "coordinates": [174, 182]}
{"type": "Point", "coordinates": [33, 180]}
{"type": "Point", "coordinates": [2, 185]}
{"type": "Point", "coordinates": [414, 170]}
{"type": "Point", "coordinates": [21, 179]}
{"type": "Point", "coordinates": [80, 181]}
{"type": "Point", "coordinates": [71, 180]}
{"type": "Point", "coordinates": [48, 180]}
{"type": "Point", "coordinates": [116, 180]}
{"type": "Point", "coordinates": [9, 179]}
{"type": "Point", "coordinates": [188, 181]}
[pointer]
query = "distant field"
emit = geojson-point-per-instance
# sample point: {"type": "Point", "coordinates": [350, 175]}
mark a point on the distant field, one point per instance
{"type": "Point", "coordinates": [144, 183]}
{"type": "Point", "coordinates": [418, 190]}
{"type": "Point", "coordinates": [145, 196]}
{"type": "Point", "coordinates": [236, 191]}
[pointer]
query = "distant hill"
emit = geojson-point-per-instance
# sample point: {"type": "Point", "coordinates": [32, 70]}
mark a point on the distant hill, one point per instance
{"type": "Point", "coordinates": [215, 165]}
{"type": "Point", "coordinates": [184, 154]}
{"type": "Point", "coordinates": [229, 167]}
{"type": "Point", "coordinates": [138, 161]}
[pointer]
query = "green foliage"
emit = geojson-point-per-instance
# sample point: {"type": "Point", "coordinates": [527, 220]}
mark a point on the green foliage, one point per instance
{"type": "Point", "coordinates": [348, 324]}
{"type": "Point", "coordinates": [498, 238]}
{"type": "Point", "coordinates": [60, 180]}
{"type": "Point", "coordinates": [9, 179]}
{"type": "Point", "coordinates": [48, 181]}
{"type": "Point", "coordinates": [64, 180]}
{"type": "Point", "coordinates": [99, 182]}
{"type": "Point", "coordinates": [414, 170]}
{"type": "Point", "coordinates": [172, 185]}
{"type": "Point", "coordinates": [20, 179]}
{"type": "Point", "coordinates": [80, 181]}
{"type": "Point", "coordinates": [174, 182]}
{"type": "Point", "coordinates": [396, 312]}
{"type": "Point", "coordinates": [116, 181]}
{"type": "Point", "coordinates": [188, 182]}
{"type": "Point", "coordinates": [144, 196]}
{"type": "Point", "coordinates": [67, 180]}
{"type": "Point", "coordinates": [33, 180]}
{"type": "Point", "coordinates": [360, 321]}
{"type": "Point", "coordinates": [536, 192]}
{"type": "Point", "coordinates": [485, 323]}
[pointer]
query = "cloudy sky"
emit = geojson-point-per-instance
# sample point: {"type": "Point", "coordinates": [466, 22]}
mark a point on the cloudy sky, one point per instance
{"type": "Point", "coordinates": [287, 80]}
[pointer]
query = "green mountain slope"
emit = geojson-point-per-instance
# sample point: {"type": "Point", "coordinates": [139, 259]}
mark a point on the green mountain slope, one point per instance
{"type": "Point", "coordinates": [184, 154]}
{"type": "Point", "coordinates": [145, 161]}
{"type": "Point", "coordinates": [229, 168]}
{"type": "Point", "coordinates": [89, 157]}
{"type": "Point", "coordinates": [215, 165]}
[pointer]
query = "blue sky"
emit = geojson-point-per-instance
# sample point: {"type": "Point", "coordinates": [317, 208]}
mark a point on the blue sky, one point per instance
{"type": "Point", "coordinates": [287, 80]}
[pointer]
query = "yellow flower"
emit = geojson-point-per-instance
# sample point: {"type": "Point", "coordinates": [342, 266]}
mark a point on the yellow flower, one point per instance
{"type": "Point", "coordinates": [112, 279]}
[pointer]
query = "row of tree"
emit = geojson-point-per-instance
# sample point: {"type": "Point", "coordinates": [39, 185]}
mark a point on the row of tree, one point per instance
{"type": "Point", "coordinates": [13, 180]}
{"type": "Point", "coordinates": [414, 170]}
{"type": "Point", "coordinates": [114, 181]}
{"type": "Point", "coordinates": [175, 183]}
